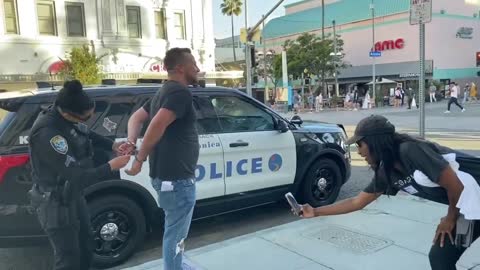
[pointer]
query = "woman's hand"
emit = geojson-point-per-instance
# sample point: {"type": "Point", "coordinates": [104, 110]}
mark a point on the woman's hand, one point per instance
{"type": "Point", "coordinates": [307, 211]}
{"type": "Point", "coordinates": [444, 228]}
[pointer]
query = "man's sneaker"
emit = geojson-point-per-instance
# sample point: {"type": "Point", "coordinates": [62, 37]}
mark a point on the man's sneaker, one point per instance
{"type": "Point", "coordinates": [447, 111]}
{"type": "Point", "coordinates": [463, 109]}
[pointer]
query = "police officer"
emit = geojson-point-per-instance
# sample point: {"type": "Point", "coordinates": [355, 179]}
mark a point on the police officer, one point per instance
{"type": "Point", "coordinates": [61, 156]}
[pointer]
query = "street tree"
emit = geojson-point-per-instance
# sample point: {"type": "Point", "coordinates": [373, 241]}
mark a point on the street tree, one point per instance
{"type": "Point", "coordinates": [270, 67]}
{"type": "Point", "coordinates": [82, 64]}
{"type": "Point", "coordinates": [231, 8]}
{"type": "Point", "coordinates": [314, 55]}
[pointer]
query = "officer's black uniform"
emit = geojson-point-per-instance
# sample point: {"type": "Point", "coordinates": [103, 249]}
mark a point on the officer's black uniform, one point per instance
{"type": "Point", "coordinates": [61, 156]}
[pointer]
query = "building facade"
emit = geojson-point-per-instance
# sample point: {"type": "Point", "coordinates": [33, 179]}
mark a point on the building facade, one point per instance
{"type": "Point", "coordinates": [132, 36]}
{"type": "Point", "coordinates": [452, 37]}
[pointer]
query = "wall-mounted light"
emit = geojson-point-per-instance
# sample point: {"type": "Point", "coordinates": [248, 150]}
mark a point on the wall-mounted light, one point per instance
{"type": "Point", "coordinates": [35, 54]}
{"type": "Point", "coordinates": [140, 55]}
{"type": "Point", "coordinates": [442, 11]}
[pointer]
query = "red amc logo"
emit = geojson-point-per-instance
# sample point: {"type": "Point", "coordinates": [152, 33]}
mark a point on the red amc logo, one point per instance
{"type": "Point", "coordinates": [390, 45]}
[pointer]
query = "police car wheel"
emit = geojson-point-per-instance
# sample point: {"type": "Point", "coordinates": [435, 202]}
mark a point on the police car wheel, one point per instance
{"type": "Point", "coordinates": [322, 183]}
{"type": "Point", "coordinates": [118, 225]}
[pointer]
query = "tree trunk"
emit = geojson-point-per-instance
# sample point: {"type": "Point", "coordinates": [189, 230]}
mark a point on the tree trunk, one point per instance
{"type": "Point", "coordinates": [233, 42]}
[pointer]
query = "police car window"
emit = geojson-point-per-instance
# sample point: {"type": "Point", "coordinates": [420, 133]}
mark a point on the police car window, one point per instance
{"type": "Point", "coordinates": [100, 107]}
{"type": "Point", "coordinates": [19, 124]}
{"type": "Point", "coordinates": [108, 123]}
{"type": "Point", "coordinates": [207, 119]}
{"type": "Point", "coordinates": [237, 115]}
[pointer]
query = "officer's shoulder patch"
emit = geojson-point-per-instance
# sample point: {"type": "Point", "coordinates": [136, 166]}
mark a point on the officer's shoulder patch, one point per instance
{"type": "Point", "coordinates": [59, 144]}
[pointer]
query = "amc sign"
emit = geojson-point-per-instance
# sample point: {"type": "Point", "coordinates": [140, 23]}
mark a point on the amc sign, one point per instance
{"type": "Point", "coordinates": [390, 45]}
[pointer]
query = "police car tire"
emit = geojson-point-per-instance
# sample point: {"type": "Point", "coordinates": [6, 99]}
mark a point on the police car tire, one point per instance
{"type": "Point", "coordinates": [311, 176]}
{"type": "Point", "coordinates": [135, 216]}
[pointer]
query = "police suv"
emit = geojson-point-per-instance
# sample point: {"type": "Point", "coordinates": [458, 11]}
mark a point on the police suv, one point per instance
{"type": "Point", "coordinates": [249, 156]}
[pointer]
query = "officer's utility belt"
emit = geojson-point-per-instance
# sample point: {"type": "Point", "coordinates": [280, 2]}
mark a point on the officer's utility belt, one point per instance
{"type": "Point", "coordinates": [40, 194]}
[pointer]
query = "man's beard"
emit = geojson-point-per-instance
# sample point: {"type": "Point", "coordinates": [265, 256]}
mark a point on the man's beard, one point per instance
{"type": "Point", "coordinates": [192, 80]}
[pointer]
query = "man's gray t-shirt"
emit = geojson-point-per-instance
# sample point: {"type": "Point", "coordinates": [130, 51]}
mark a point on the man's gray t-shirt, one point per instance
{"type": "Point", "coordinates": [175, 156]}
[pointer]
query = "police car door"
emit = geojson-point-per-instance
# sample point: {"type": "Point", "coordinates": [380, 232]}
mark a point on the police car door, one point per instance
{"type": "Point", "coordinates": [256, 154]}
{"type": "Point", "coordinates": [209, 172]}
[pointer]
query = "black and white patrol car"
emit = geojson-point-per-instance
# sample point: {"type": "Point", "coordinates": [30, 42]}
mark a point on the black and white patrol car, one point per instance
{"type": "Point", "coordinates": [249, 156]}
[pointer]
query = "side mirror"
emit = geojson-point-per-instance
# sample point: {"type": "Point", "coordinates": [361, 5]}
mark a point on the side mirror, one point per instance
{"type": "Point", "coordinates": [296, 120]}
{"type": "Point", "coordinates": [282, 126]}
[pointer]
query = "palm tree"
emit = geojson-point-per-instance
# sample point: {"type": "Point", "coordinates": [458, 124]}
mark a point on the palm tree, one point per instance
{"type": "Point", "coordinates": [230, 8]}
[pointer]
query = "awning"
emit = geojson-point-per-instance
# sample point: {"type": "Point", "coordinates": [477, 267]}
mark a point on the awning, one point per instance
{"type": "Point", "coordinates": [56, 67]}
{"type": "Point", "coordinates": [383, 81]}
{"type": "Point", "coordinates": [397, 70]}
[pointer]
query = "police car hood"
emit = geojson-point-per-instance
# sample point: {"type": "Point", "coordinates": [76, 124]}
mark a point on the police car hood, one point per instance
{"type": "Point", "coordinates": [320, 128]}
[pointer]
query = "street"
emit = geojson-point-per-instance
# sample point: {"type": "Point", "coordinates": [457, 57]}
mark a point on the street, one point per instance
{"type": "Point", "coordinates": [457, 130]}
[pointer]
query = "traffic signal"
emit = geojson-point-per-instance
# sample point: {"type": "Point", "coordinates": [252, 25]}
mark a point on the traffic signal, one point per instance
{"type": "Point", "coordinates": [478, 59]}
{"type": "Point", "coordinates": [253, 56]}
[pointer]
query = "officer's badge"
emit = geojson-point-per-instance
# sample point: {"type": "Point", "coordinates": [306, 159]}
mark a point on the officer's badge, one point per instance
{"type": "Point", "coordinates": [59, 144]}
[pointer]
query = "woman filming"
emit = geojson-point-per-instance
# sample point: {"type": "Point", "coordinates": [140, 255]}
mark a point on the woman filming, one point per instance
{"type": "Point", "coordinates": [420, 168]}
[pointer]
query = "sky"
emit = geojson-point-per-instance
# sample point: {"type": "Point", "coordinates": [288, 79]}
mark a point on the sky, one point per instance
{"type": "Point", "coordinates": [256, 8]}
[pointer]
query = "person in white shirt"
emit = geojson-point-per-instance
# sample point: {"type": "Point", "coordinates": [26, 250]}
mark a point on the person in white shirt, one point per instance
{"type": "Point", "coordinates": [454, 97]}
{"type": "Point", "coordinates": [433, 90]}
{"type": "Point", "coordinates": [319, 103]}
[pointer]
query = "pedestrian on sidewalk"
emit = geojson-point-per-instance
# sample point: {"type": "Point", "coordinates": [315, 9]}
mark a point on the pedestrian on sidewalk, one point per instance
{"type": "Point", "coordinates": [423, 169]}
{"type": "Point", "coordinates": [433, 91]}
{"type": "Point", "coordinates": [454, 97]}
{"type": "Point", "coordinates": [402, 92]}
{"type": "Point", "coordinates": [398, 97]}
{"type": "Point", "coordinates": [171, 140]}
{"type": "Point", "coordinates": [411, 97]}
{"type": "Point", "coordinates": [356, 99]}
{"type": "Point", "coordinates": [466, 93]}
{"type": "Point", "coordinates": [319, 102]}
{"type": "Point", "coordinates": [473, 92]}
{"type": "Point", "coordinates": [297, 102]}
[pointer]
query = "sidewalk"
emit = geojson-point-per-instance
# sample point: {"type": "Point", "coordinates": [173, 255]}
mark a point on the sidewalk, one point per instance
{"type": "Point", "coordinates": [392, 233]}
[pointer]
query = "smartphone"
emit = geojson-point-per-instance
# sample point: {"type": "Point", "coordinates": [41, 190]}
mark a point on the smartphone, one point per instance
{"type": "Point", "coordinates": [297, 208]}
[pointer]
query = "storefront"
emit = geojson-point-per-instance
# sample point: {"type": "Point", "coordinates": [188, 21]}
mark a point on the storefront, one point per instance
{"type": "Point", "coordinates": [452, 39]}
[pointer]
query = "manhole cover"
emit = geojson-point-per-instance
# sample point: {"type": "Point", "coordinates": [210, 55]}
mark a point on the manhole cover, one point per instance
{"type": "Point", "coordinates": [351, 240]}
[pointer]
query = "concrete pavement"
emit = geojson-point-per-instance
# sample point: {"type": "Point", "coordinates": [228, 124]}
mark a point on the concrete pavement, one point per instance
{"type": "Point", "coordinates": [392, 233]}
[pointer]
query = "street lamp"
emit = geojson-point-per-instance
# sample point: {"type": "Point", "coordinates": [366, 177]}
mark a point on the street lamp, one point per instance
{"type": "Point", "coordinates": [372, 7]}
{"type": "Point", "coordinates": [334, 56]}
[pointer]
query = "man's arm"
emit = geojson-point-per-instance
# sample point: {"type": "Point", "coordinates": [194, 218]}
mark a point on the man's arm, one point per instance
{"type": "Point", "coordinates": [135, 124]}
{"type": "Point", "coordinates": [155, 132]}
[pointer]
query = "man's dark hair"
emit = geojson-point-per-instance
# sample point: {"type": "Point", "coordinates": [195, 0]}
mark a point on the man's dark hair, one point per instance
{"type": "Point", "coordinates": [72, 98]}
{"type": "Point", "coordinates": [174, 57]}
